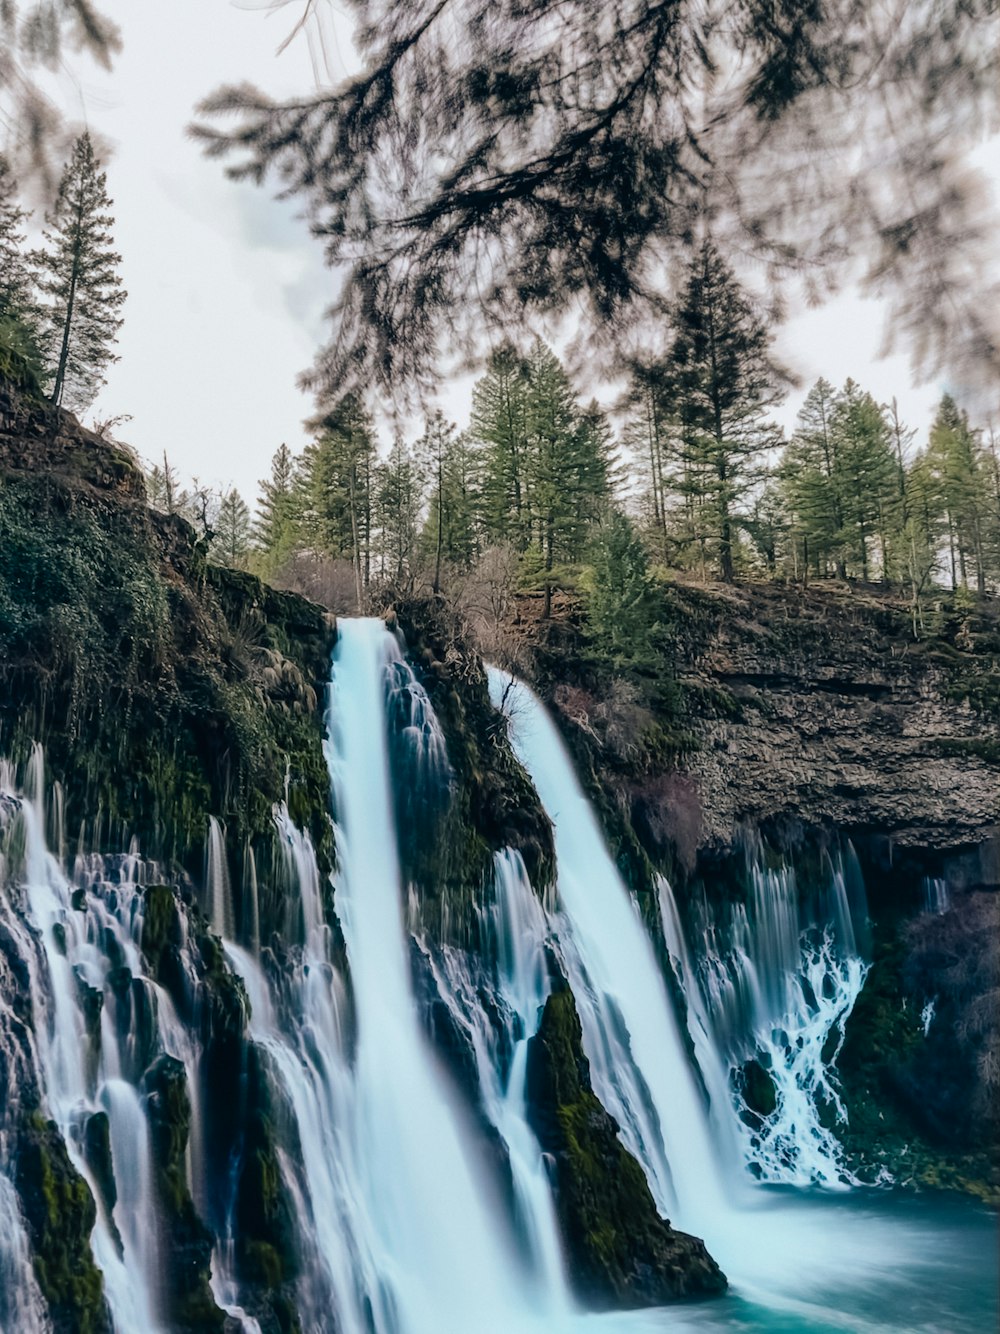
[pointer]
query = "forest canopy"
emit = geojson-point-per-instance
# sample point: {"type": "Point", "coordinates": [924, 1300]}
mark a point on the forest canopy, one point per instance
{"type": "Point", "coordinates": [497, 157]}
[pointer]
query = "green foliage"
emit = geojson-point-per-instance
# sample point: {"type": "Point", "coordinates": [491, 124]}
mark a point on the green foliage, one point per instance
{"type": "Point", "coordinates": [335, 489]}
{"type": "Point", "coordinates": [79, 282]}
{"type": "Point", "coordinates": [491, 161]}
{"type": "Point", "coordinates": [619, 590]}
{"type": "Point", "coordinates": [61, 1214]}
{"type": "Point", "coordinates": [619, 1251]}
{"type": "Point", "coordinates": [720, 381]}
{"type": "Point", "coordinates": [162, 692]}
{"type": "Point", "coordinates": [231, 539]}
{"type": "Point", "coordinates": [274, 530]}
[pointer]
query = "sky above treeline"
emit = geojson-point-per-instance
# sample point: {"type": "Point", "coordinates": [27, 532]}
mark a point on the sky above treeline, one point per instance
{"type": "Point", "coordinates": [227, 289]}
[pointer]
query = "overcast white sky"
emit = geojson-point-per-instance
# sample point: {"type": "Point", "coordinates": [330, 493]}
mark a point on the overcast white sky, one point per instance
{"type": "Point", "coordinates": [227, 289]}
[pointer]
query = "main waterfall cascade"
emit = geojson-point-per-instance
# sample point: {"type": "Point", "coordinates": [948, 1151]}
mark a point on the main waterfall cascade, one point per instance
{"type": "Point", "coordinates": [419, 1199]}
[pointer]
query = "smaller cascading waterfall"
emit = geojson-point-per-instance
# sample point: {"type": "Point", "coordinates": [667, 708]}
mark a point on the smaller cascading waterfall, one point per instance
{"type": "Point", "coordinates": [21, 1305]}
{"type": "Point", "coordinates": [220, 895]}
{"type": "Point", "coordinates": [514, 928]}
{"type": "Point", "coordinates": [638, 1059]}
{"type": "Point", "coordinates": [937, 899]}
{"type": "Point", "coordinates": [73, 942]}
{"type": "Point", "coordinates": [85, 961]}
{"type": "Point", "coordinates": [772, 983]}
{"type": "Point", "coordinates": [22, 1309]}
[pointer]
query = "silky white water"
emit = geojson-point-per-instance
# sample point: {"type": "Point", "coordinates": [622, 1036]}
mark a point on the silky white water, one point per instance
{"type": "Point", "coordinates": [429, 1202]}
{"type": "Point", "coordinates": [388, 1160]}
{"type": "Point", "coordinates": [618, 984]}
{"type": "Point", "coordinates": [778, 1252]}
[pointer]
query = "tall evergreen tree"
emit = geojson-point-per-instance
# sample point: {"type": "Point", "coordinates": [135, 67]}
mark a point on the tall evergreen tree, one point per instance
{"type": "Point", "coordinates": [647, 437]}
{"type": "Point", "coordinates": [274, 529]}
{"type": "Point", "coordinates": [164, 490]}
{"type": "Point", "coordinates": [449, 532]}
{"type": "Point", "coordinates": [619, 588]}
{"type": "Point", "coordinates": [335, 489]}
{"type": "Point", "coordinates": [953, 459]}
{"type": "Point", "coordinates": [78, 273]}
{"type": "Point", "coordinates": [810, 483]}
{"type": "Point", "coordinates": [231, 543]}
{"type": "Point", "coordinates": [398, 500]}
{"type": "Point", "coordinates": [723, 381]}
{"type": "Point", "coordinates": [18, 312]}
{"type": "Point", "coordinates": [498, 427]}
{"type": "Point", "coordinates": [868, 487]}
{"type": "Point", "coordinates": [567, 466]}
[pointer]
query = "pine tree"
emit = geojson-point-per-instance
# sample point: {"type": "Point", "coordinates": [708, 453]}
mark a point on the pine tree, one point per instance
{"type": "Point", "coordinates": [335, 489]}
{"type": "Point", "coordinates": [567, 466]}
{"type": "Point", "coordinates": [18, 313]}
{"type": "Point", "coordinates": [619, 588]}
{"type": "Point", "coordinates": [953, 459]}
{"type": "Point", "coordinates": [810, 483]}
{"type": "Point", "coordinates": [164, 491]}
{"type": "Point", "coordinates": [648, 439]}
{"type": "Point", "coordinates": [449, 532]}
{"type": "Point", "coordinates": [723, 382]}
{"type": "Point", "coordinates": [498, 429]}
{"type": "Point", "coordinates": [868, 485]}
{"type": "Point", "coordinates": [398, 500]}
{"type": "Point", "coordinates": [231, 543]}
{"type": "Point", "coordinates": [78, 273]}
{"type": "Point", "coordinates": [274, 531]}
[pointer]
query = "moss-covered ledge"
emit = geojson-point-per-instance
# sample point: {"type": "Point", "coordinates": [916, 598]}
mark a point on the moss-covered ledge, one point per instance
{"type": "Point", "coordinates": [620, 1252]}
{"type": "Point", "coordinates": [493, 804]}
{"type": "Point", "coordinates": [163, 688]}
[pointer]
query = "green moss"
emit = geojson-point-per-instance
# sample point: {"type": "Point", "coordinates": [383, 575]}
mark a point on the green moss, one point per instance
{"type": "Point", "coordinates": [447, 840]}
{"type": "Point", "coordinates": [980, 748]}
{"type": "Point", "coordinates": [267, 1251]}
{"type": "Point", "coordinates": [619, 1251]}
{"type": "Point", "coordinates": [188, 1243]}
{"type": "Point", "coordinates": [163, 689]}
{"type": "Point", "coordinates": [60, 1214]}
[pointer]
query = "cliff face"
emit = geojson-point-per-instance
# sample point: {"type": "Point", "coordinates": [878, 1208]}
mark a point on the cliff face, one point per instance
{"type": "Point", "coordinates": [818, 707]}
{"type": "Point", "coordinates": [164, 689]}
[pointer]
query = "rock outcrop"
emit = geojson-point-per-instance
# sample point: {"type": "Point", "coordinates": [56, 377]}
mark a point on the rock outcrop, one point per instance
{"type": "Point", "coordinates": [619, 1251]}
{"type": "Point", "coordinates": [819, 707]}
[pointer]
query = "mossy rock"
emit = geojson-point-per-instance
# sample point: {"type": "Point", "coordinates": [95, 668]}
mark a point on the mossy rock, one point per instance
{"type": "Point", "coordinates": [448, 838]}
{"type": "Point", "coordinates": [187, 1242]}
{"type": "Point", "coordinates": [97, 1150]}
{"type": "Point", "coordinates": [162, 688]}
{"type": "Point", "coordinates": [60, 1214]}
{"type": "Point", "coordinates": [265, 1220]}
{"type": "Point", "coordinates": [620, 1252]}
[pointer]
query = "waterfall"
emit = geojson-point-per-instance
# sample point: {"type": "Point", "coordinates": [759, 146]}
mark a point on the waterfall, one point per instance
{"type": "Point", "coordinates": [98, 1021]}
{"type": "Point", "coordinates": [220, 898]}
{"type": "Point", "coordinates": [768, 993]}
{"type": "Point", "coordinates": [428, 1198]}
{"type": "Point", "coordinates": [638, 1059]}
{"type": "Point", "coordinates": [418, 1196]}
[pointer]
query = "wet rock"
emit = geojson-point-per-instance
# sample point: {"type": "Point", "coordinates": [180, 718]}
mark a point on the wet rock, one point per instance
{"type": "Point", "coordinates": [187, 1241]}
{"type": "Point", "coordinates": [60, 1213]}
{"type": "Point", "coordinates": [97, 1151]}
{"type": "Point", "coordinates": [757, 1088]}
{"type": "Point", "coordinates": [620, 1252]}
